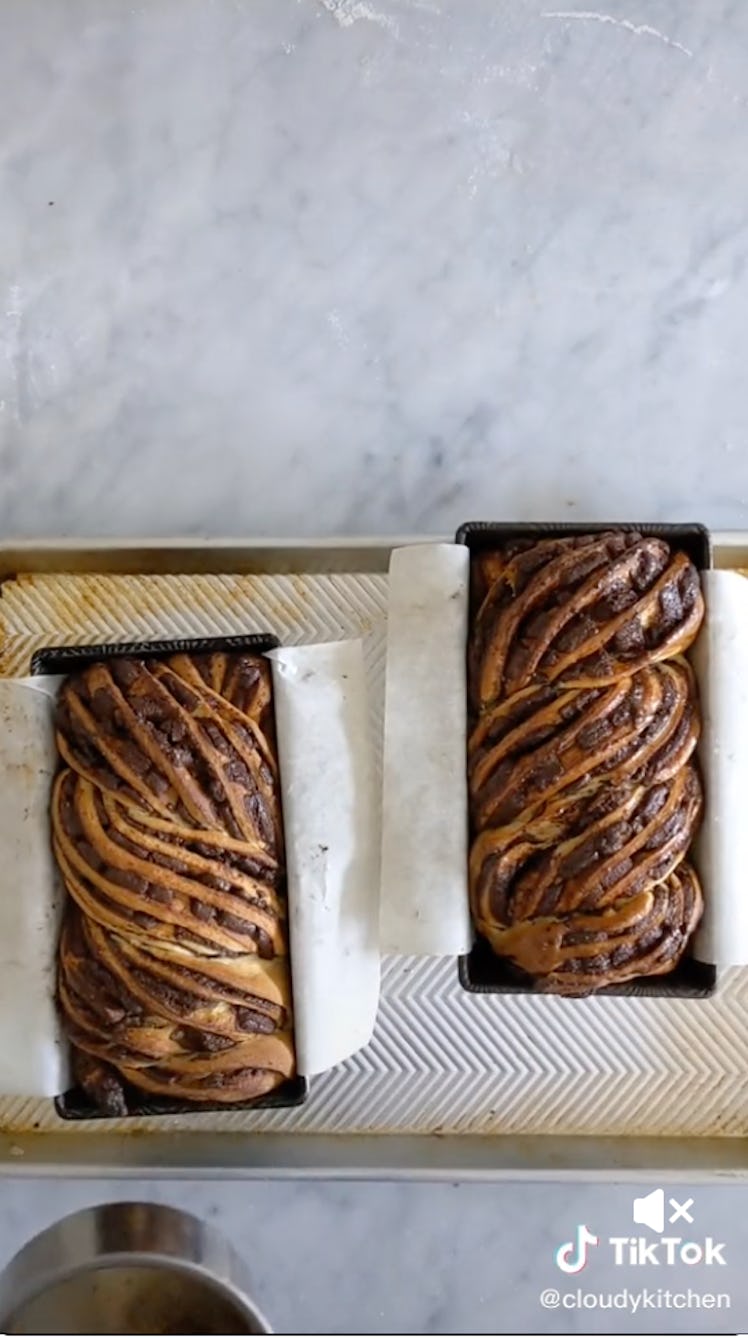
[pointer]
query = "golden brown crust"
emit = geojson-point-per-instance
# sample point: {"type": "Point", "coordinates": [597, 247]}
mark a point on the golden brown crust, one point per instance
{"type": "Point", "coordinates": [584, 798]}
{"type": "Point", "coordinates": [142, 732]}
{"type": "Point", "coordinates": [241, 679]}
{"type": "Point", "coordinates": [585, 854]}
{"type": "Point", "coordinates": [542, 741]}
{"type": "Point", "coordinates": [582, 611]}
{"type": "Point", "coordinates": [641, 936]}
{"type": "Point", "coordinates": [166, 827]}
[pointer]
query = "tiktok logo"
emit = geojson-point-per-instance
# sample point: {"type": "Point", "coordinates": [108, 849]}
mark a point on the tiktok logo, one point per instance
{"type": "Point", "coordinates": [572, 1256]}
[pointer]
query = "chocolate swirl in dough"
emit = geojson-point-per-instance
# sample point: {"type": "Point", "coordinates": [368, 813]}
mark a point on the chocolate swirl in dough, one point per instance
{"type": "Point", "coordinates": [166, 827]}
{"type": "Point", "coordinates": [584, 798]}
{"type": "Point", "coordinates": [581, 611]}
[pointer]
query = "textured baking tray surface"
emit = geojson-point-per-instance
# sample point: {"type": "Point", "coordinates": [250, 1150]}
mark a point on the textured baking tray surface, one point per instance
{"type": "Point", "coordinates": [441, 1061]}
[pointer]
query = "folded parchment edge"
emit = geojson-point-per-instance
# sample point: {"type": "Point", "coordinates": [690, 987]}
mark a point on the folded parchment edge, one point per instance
{"type": "Point", "coordinates": [34, 1056]}
{"type": "Point", "coordinates": [425, 903]}
{"type": "Point", "coordinates": [720, 659]}
{"type": "Point", "coordinates": [332, 853]}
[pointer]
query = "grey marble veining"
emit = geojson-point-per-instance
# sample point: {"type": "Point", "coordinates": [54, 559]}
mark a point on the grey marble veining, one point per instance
{"type": "Point", "coordinates": [316, 266]}
{"type": "Point", "coordinates": [281, 266]}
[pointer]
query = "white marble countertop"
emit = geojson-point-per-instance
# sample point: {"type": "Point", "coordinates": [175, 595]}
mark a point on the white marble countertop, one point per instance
{"type": "Point", "coordinates": [317, 266]}
{"type": "Point", "coordinates": [277, 267]}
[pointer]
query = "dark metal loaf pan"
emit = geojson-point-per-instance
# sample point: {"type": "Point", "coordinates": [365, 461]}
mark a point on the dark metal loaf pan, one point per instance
{"type": "Point", "coordinates": [483, 972]}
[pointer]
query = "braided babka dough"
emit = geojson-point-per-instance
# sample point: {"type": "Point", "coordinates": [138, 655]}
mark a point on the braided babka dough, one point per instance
{"type": "Point", "coordinates": [173, 970]}
{"type": "Point", "coordinates": [579, 611]}
{"type": "Point", "coordinates": [584, 798]}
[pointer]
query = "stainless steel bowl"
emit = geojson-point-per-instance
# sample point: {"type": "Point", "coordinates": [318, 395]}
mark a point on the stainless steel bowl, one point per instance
{"type": "Point", "coordinates": [128, 1269]}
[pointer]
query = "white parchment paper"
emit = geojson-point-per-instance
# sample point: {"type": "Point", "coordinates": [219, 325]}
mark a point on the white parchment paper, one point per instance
{"type": "Point", "coordinates": [33, 1052]}
{"type": "Point", "coordinates": [425, 909]}
{"type": "Point", "coordinates": [721, 662]}
{"type": "Point", "coordinates": [332, 850]}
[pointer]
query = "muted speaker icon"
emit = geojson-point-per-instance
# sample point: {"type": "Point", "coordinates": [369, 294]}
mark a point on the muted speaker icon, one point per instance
{"type": "Point", "coordinates": [650, 1210]}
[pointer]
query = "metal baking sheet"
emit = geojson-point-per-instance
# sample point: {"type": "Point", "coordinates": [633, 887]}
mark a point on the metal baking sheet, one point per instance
{"type": "Point", "coordinates": [450, 1085]}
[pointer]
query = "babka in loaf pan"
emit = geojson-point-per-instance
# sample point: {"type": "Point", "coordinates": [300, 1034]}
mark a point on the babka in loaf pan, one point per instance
{"type": "Point", "coordinates": [584, 790]}
{"type": "Point", "coordinates": [174, 978]}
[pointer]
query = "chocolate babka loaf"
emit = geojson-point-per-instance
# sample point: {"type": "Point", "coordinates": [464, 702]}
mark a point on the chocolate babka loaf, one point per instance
{"type": "Point", "coordinates": [584, 796]}
{"type": "Point", "coordinates": [583, 610]}
{"type": "Point", "coordinates": [173, 970]}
